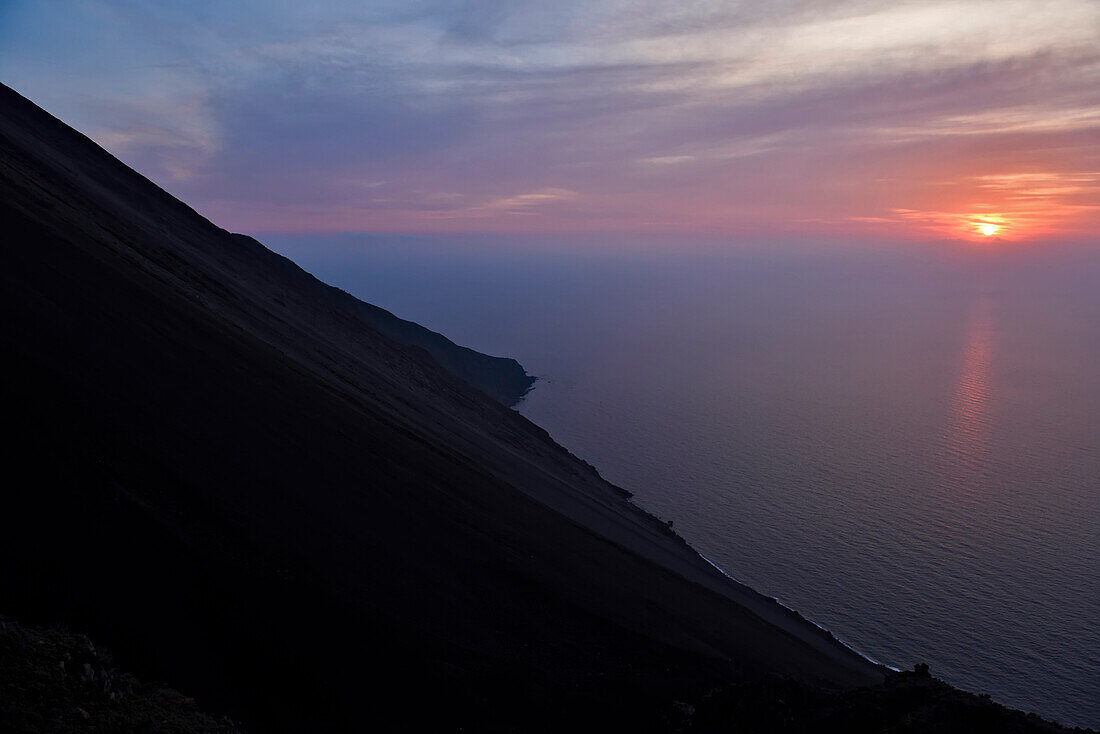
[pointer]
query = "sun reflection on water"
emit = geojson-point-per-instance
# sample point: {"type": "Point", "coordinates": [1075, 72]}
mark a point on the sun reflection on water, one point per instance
{"type": "Point", "coordinates": [969, 421]}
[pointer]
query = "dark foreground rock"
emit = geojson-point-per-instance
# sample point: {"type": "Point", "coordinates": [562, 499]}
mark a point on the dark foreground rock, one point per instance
{"type": "Point", "coordinates": [911, 701]}
{"type": "Point", "coordinates": [60, 682]}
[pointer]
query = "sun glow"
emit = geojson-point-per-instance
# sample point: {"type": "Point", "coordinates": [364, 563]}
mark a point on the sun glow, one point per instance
{"type": "Point", "coordinates": [988, 229]}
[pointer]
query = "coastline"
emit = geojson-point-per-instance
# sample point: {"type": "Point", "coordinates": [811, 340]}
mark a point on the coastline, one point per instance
{"type": "Point", "coordinates": [821, 627]}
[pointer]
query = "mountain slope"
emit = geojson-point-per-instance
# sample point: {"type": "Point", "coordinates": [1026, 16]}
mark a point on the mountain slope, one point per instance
{"type": "Point", "coordinates": [500, 378]}
{"type": "Point", "coordinates": [227, 475]}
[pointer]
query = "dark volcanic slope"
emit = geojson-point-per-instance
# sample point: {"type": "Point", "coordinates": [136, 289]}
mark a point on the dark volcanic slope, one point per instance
{"type": "Point", "coordinates": [501, 378]}
{"type": "Point", "coordinates": [220, 471]}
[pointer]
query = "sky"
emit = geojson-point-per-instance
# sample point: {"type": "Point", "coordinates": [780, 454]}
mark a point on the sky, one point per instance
{"type": "Point", "coordinates": [864, 119]}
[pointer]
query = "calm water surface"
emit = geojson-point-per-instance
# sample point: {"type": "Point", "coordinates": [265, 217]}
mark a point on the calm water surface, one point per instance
{"type": "Point", "coordinates": [905, 447]}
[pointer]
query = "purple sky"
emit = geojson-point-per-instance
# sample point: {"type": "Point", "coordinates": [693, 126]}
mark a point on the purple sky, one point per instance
{"type": "Point", "coordinates": [873, 119]}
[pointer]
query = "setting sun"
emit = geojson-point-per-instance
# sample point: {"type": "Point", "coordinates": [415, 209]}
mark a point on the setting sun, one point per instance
{"type": "Point", "coordinates": [988, 229]}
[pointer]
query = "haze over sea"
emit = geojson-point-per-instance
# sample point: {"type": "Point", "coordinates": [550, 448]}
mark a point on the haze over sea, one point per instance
{"type": "Point", "coordinates": [903, 445]}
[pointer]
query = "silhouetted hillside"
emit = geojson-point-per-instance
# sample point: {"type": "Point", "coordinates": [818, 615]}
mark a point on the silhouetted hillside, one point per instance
{"type": "Point", "coordinates": [501, 378]}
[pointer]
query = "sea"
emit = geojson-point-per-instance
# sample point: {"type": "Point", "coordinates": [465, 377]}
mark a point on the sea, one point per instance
{"type": "Point", "coordinates": [902, 442]}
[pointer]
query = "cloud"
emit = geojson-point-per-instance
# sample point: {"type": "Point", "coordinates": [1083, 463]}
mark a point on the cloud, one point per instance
{"type": "Point", "coordinates": [602, 113]}
{"type": "Point", "coordinates": [529, 201]}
